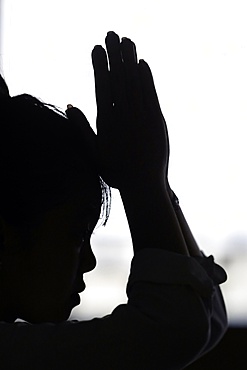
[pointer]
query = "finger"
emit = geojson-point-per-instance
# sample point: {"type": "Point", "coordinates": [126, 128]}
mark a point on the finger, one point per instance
{"type": "Point", "coordinates": [133, 83]}
{"type": "Point", "coordinates": [75, 114]}
{"type": "Point", "coordinates": [102, 83]}
{"type": "Point", "coordinates": [128, 50]}
{"type": "Point", "coordinates": [80, 121]}
{"type": "Point", "coordinates": [150, 97]}
{"type": "Point", "coordinates": [113, 50]}
{"type": "Point", "coordinates": [116, 69]}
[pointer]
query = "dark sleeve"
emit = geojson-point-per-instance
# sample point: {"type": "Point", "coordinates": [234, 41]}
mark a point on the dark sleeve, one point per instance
{"type": "Point", "coordinates": [170, 319]}
{"type": "Point", "coordinates": [202, 313]}
{"type": "Point", "coordinates": [215, 302]}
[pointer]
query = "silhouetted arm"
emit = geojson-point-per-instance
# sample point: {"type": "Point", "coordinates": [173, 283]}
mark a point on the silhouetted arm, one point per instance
{"type": "Point", "coordinates": [174, 303]}
{"type": "Point", "coordinates": [133, 145]}
{"type": "Point", "coordinates": [133, 154]}
{"type": "Point", "coordinates": [175, 311]}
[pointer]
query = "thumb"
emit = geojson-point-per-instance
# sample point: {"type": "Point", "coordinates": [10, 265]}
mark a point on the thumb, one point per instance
{"type": "Point", "coordinates": [76, 116]}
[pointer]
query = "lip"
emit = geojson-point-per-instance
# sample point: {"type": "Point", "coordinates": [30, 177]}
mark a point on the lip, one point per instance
{"type": "Point", "coordinates": [75, 297]}
{"type": "Point", "coordinates": [80, 288]}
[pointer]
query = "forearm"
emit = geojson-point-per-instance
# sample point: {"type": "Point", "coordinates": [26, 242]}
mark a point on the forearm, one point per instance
{"type": "Point", "coordinates": [151, 217]}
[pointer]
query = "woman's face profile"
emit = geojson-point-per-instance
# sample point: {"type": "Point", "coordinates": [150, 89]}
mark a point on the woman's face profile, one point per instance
{"type": "Point", "coordinates": [41, 283]}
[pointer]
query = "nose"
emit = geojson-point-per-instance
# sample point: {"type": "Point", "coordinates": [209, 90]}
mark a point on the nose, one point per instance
{"type": "Point", "coordinates": [88, 260]}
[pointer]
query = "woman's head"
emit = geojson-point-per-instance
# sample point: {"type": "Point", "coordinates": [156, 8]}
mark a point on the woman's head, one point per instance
{"type": "Point", "coordinates": [51, 197]}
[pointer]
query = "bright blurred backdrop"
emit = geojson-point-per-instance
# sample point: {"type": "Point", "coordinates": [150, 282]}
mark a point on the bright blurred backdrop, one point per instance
{"type": "Point", "coordinates": [198, 54]}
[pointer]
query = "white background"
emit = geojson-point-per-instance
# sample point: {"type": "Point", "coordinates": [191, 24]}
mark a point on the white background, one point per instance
{"type": "Point", "coordinates": [198, 54]}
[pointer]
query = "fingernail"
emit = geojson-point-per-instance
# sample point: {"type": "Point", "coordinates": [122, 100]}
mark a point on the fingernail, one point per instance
{"type": "Point", "coordinates": [126, 39]}
{"type": "Point", "coordinates": [112, 34]}
{"type": "Point", "coordinates": [69, 106]}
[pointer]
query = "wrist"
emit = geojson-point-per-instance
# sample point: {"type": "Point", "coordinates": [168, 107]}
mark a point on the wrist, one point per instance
{"type": "Point", "coordinates": [146, 186]}
{"type": "Point", "coordinates": [151, 217]}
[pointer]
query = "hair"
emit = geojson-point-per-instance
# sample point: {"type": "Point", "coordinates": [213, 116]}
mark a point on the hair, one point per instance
{"type": "Point", "coordinates": [43, 161]}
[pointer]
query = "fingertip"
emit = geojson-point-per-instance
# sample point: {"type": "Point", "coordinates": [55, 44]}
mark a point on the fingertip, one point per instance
{"type": "Point", "coordinates": [74, 113]}
{"type": "Point", "coordinates": [67, 111]}
{"type": "Point", "coordinates": [112, 37]}
{"type": "Point", "coordinates": [126, 39]}
{"type": "Point", "coordinates": [142, 62]}
{"type": "Point", "coordinates": [97, 50]}
{"type": "Point", "coordinates": [111, 34]}
{"type": "Point", "coordinates": [144, 66]}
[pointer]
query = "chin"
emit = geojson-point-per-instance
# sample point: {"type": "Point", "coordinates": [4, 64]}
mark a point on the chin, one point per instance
{"type": "Point", "coordinates": [55, 316]}
{"type": "Point", "coordinates": [47, 319]}
{"type": "Point", "coordinates": [52, 313]}
{"type": "Point", "coordinates": [8, 319]}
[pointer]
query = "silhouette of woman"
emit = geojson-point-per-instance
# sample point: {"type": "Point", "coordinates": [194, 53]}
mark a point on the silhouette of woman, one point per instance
{"type": "Point", "coordinates": [55, 179]}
